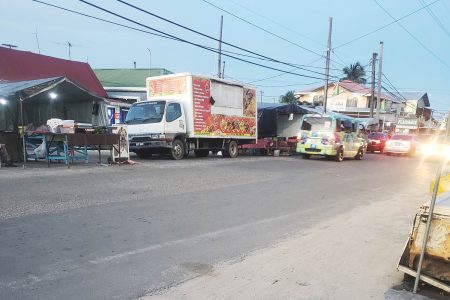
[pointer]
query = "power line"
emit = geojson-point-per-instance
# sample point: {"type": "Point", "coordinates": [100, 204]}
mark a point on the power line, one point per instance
{"type": "Point", "coordinates": [263, 29]}
{"type": "Point", "coordinates": [411, 35]}
{"type": "Point", "coordinates": [103, 20]}
{"type": "Point", "coordinates": [165, 35]}
{"type": "Point", "coordinates": [195, 44]}
{"type": "Point", "coordinates": [272, 86]}
{"type": "Point", "coordinates": [435, 18]}
{"type": "Point", "coordinates": [207, 36]}
{"type": "Point", "coordinates": [279, 24]}
{"type": "Point", "coordinates": [384, 26]}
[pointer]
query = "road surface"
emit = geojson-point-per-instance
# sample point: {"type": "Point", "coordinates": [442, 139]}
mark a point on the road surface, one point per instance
{"type": "Point", "coordinates": [94, 232]}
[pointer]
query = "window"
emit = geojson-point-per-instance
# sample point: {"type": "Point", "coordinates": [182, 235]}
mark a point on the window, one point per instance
{"type": "Point", "coordinates": [352, 102]}
{"type": "Point", "coordinates": [173, 112]}
{"type": "Point", "coordinates": [316, 124]}
{"type": "Point", "coordinates": [145, 112]}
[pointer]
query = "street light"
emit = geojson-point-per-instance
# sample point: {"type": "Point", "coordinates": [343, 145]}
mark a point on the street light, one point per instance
{"type": "Point", "coordinates": [53, 95]}
{"type": "Point", "coordinates": [3, 101]}
{"type": "Point", "coordinates": [150, 61]}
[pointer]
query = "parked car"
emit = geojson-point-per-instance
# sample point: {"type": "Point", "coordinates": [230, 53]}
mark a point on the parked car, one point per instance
{"type": "Point", "coordinates": [377, 141]}
{"type": "Point", "coordinates": [401, 144]}
{"type": "Point", "coordinates": [333, 135]}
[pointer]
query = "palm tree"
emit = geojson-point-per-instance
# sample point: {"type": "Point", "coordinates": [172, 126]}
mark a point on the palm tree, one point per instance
{"type": "Point", "coordinates": [355, 72]}
{"type": "Point", "coordinates": [289, 97]}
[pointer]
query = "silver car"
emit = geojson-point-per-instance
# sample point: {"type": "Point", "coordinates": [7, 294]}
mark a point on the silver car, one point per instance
{"type": "Point", "coordinates": [401, 144]}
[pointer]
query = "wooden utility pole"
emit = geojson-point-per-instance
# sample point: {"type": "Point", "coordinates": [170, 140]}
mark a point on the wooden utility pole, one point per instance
{"type": "Point", "coordinates": [327, 67]}
{"type": "Point", "coordinates": [219, 63]}
{"type": "Point", "coordinates": [380, 63]}
{"type": "Point", "coordinates": [372, 90]}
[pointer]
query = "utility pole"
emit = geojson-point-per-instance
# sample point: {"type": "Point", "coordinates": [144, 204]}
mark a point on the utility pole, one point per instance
{"type": "Point", "coordinates": [372, 90]}
{"type": "Point", "coordinates": [380, 63]}
{"type": "Point", "coordinates": [327, 71]}
{"type": "Point", "coordinates": [223, 70]}
{"type": "Point", "coordinates": [150, 61]}
{"type": "Point", "coordinates": [70, 45]}
{"type": "Point", "coordinates": [219, 63]}
{"type": "Point", "coordinates": [37, 39]}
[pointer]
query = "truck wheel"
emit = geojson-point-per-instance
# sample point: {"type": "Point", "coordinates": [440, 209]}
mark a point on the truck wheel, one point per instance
{"type": "Point", "coordinates": [177, 151]}
{"type": "Point", "coordinates": [201, 153]}
{"type": "Point", "coordinates": [231, 150]}
{"type": "Point", "coordinates": [339, 155]}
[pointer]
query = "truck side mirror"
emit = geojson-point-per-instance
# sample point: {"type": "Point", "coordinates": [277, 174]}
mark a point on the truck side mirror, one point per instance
{"type": "Point", "coordinates": [211, 100]}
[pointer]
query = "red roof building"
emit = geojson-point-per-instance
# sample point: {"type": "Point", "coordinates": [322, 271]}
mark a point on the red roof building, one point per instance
{"type": "Point", "coordinates": [18, 65]}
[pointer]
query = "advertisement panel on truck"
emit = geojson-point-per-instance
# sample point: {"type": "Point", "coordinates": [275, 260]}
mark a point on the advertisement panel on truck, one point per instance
{"type": "Point", "coordinates": [216, 115]}
{"type": "Point", "coordinates": [219, 109]}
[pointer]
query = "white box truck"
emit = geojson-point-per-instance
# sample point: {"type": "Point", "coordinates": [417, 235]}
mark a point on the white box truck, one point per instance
{"type": "Point", "coordinates": [185, 112]}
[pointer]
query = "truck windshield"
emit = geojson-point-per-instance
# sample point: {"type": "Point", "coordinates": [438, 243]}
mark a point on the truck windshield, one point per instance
{"type": "Point", "coordinates": [316, 124]}
{"type": "Point", "coordinates": [146, 112]}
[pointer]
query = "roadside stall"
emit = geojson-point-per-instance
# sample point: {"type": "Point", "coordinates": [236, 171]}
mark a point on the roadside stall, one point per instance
{"type": "Point", "coordinates": [278, 126]}
{"type": "Point", "coordinates": [436, 262]}
{"type": "Point", "coordinates": [56, 120]}
{"type": "Point", "coordinates": [427, 252]}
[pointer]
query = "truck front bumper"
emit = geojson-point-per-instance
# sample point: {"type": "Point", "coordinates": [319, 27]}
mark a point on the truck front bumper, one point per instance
{"type": "Point", "coordinates": [136, 146]}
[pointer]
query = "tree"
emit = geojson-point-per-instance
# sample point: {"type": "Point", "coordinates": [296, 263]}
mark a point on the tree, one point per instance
{"type": "Point", "coordinates": [355, 72]}
{"type": "Point", "coordinates": [289, 97]}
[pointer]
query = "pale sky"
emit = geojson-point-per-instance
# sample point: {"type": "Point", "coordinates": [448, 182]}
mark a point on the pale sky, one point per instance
{"type": "Point", "coordinates": [414, 61]}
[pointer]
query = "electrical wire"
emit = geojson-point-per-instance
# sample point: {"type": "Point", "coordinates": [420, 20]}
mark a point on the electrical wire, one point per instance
{"type": "Point", "coordinates": [384, 26]}
{"type": "Point", "coordinates": [194, 44]}
{"type": "Point", "coordinates": [414, 37]}
{"type": "Point", "coordinates": [265, 30]}
{"type": "Point", "coordinates": [435, 18]}
{"type": "Point", "coordinates": [208, 36]}
{"type": "Point", "coordinates": [276, 23]}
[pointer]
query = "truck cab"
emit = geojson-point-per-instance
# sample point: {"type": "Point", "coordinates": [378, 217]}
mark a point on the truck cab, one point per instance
{"type": "Point", "coordinates": [153, 126]}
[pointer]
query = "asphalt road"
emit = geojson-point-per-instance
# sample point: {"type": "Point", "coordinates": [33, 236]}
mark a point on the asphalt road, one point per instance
{"type": "Point", "coordinates": [115, 232]}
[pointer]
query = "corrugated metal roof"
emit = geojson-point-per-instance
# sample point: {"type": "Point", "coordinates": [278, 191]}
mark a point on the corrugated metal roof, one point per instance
{"type": "Point", "coordinates": [416, 96]}
{"type": "Point", "coordinates": [9, 88]}
{"type": "Point", "coordinates": [127, 77]}
{"type": "Point", "coordinates": [18, 65]}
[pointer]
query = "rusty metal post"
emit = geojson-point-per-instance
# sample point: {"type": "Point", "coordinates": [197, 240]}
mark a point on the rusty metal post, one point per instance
{"type": "Point", "coordinates": [430, 212]}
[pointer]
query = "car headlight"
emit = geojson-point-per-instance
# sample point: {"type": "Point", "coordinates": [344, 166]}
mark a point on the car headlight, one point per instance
{"type": "Point", "coordinates": [162, 136]}
{"type": "Point", "coordinates": [447, 152]}
{"type": "Point", "coordinates": [429, 150]}
{"type": "Point", "coordinates": [154, 136]}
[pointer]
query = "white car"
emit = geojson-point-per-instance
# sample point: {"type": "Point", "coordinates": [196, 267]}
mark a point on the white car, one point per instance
{"type": "Point", "coordinates": [401, 144]}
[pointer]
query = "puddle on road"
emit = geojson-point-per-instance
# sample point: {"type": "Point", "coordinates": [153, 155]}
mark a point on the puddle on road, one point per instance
{"type": "Point", "coordinates": [199, 268]}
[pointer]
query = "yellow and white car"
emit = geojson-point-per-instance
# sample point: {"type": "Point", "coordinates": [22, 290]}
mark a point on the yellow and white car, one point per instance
{"type": "Point", "coordinates": [333, 135]}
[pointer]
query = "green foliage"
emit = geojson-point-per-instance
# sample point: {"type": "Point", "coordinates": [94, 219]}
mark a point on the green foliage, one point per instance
{"type": "Point", "coordinates": [355, 72]}
{"type": "Point", "coordinates": [289, 97]}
